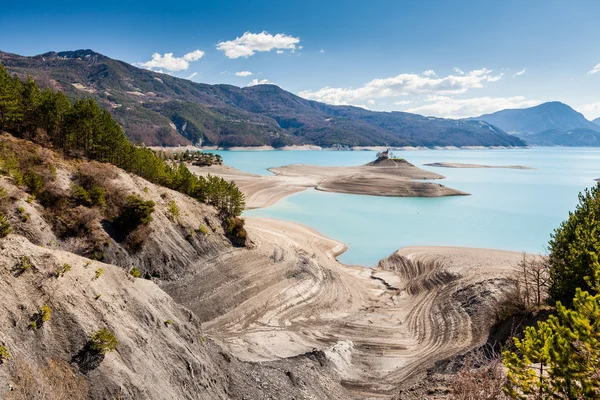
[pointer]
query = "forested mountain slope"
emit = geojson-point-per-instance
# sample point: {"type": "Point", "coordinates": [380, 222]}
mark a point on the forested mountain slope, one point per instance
{"type": "Point", "coordinates": [158, 109]}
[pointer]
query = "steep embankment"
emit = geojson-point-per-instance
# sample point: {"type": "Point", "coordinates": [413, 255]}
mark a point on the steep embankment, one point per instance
{"type": "Point", "coordinates": [53, 300]}
{"type": "Point", "coordinates": [62, 216]}
{"type": "Point", "coordinates": [162, 352]}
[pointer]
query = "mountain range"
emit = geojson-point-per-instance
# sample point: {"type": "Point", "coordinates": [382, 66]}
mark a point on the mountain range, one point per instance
{"type": "Point", "coordinates": [548, 124]}
{"type": "Point", "coordinates": [159, 109]}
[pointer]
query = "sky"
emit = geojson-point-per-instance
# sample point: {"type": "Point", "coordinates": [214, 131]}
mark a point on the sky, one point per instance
{"type": "Point", "coordinates": [433, 57]}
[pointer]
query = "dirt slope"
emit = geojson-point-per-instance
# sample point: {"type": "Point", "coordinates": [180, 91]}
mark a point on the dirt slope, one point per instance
{"type": "Point", "coordinates": [153, 360]}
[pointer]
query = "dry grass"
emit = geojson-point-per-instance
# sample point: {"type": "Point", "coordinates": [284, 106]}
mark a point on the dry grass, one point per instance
{"type": "Point", "coordinates": [476, 382]}
{"type": "Point", "coordinates": [55, 381]}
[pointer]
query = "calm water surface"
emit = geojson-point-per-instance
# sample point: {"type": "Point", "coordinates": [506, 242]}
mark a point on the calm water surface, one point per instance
{"type": "Point", "coordinates": [508, 209]}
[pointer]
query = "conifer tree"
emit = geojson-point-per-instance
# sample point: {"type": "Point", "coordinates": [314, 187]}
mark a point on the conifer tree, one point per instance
{"type": "Point", "coordinates": [572, 247]}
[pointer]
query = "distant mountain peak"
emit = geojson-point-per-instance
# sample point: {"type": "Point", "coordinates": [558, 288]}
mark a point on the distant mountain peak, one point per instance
{"type": "Point", "coordinates": [550, 116]}
{"type": "Point", "coordinates": [596, 121]}
{"type": "Point", "coordinates": [81, 54]}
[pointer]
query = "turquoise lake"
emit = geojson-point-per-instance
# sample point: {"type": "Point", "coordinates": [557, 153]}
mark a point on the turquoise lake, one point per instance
{"type": "Point", "coordinates": [508, 209]}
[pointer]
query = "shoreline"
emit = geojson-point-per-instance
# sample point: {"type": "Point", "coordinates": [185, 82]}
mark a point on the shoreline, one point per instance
{"type": "Point", "coordinates": [309, 147]}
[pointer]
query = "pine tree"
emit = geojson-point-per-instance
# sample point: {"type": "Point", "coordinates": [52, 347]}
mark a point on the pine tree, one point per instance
{"type": "Point", "coordinates": [572, 246]}
{"type": "Point", "coordinates": [561, 358]}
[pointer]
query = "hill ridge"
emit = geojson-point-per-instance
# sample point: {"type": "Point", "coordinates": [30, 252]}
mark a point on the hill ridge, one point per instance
{"type": "Point", "coordinates": [158, 109]}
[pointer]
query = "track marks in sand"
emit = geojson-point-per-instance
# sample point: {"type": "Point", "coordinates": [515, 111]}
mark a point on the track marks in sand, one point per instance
{"type": "Point", "coordinates": [288, 295]}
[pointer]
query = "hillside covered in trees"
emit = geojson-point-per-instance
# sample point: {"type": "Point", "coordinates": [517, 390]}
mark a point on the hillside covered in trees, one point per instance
{"type": "Point", "coordinates": [82, 129]}
{"type": "Point", "coordinates": [158, 109]}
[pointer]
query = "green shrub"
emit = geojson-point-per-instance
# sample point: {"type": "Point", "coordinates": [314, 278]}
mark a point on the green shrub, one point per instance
{"type": "Point", "coordinates": [235, 231]}
{"type": "Point", "coordinates": [203, 230]}
{"type": "Point", "coordinates": [98, 296]}
{"type": "Point", "coordinates": [80, 195]}
{"type": "Point", "coordinates": [24, 215]}
{"type": "Point", "coordinates": [62, 270]}
{"type": "Point", "coordinates": [33, 181]}
{"type": "Point", "coordinates": [103, 341]}
{"type": "Point", "coordinates": [4, 354]}
{"type": "Point", "coordinates": [136, 212]}
{"type": "Point", "coordinates": [45, 313]}
{"type": "Point", "coordinates": [97, 196]}
{"type": "Point", "coordinates": [25, 264]}
{"type": "Point", "coordinates": [33, 324]}
{"type": "Point", "coordinates": [173, 210]}
{"type": "Point", "coordinates": [99, 273]}
{"type": "Point", "coordinates": [30, 199]}
{"type": "Point", "coordinates": [3, 194]}
{"type": "Point", "coordinates": [135, 272]}
{"type": "Point", "coordinates": [4, 226]}
{"type": "Point", "coordinates": [52, 171]}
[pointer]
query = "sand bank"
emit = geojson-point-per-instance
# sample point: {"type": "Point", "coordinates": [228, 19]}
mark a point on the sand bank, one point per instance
{"type": "Point", "coordinates": [397, 180]}
{"type": "Point", "coordinates": [287, 295]}
{"type": "Point", "coordinates": [461, 165]}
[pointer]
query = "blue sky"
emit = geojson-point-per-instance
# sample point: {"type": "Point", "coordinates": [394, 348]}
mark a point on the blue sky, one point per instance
{"type": "Point", "coordinates": [442, 58]}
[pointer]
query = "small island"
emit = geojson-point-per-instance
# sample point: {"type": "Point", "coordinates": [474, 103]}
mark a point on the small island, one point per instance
{"type": "Point", "coordinates": [385, 176]}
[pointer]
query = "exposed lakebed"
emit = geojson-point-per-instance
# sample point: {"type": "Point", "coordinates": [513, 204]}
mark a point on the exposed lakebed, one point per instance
{"type": "Point", "coordinates": [511, 209]}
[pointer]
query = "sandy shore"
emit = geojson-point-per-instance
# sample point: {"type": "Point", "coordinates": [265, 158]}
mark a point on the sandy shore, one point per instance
{"type": "Point", "coordinates": [461, 165]}
{"type": "Point", "coordinates": [287, 295]}
{"type": "Point", "coordinates": [398, 180]}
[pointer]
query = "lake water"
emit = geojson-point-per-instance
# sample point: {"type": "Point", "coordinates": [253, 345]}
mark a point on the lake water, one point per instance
{"type": "Point", "coordinates": [508, 209]}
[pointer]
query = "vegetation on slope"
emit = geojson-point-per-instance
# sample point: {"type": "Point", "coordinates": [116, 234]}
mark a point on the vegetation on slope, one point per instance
{"type": "Point", "coordinates": [83, 129]}
{"type": "Point", "coordinates": [561, 357]}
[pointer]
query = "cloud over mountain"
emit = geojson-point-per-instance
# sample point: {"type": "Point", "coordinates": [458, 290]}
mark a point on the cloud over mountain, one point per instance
{"type": "Point", "coordinates": [250, 43]}
{"type": "Point", "coordinates": [426, 83]}
{"type": "Point", "coordinates": [171, 63]}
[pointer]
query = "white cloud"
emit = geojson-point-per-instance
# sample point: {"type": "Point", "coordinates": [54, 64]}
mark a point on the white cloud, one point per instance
{"type": "Point", "coordinates": [429, 73]}
{"type": "Point", "coordinates": [321, 51]}
{"type": "Point", "coordinates": [459, 71]}
{"type": "Point", "coordinates": [194, 55]}
{"type": "Point", "coordinates": [591, 111]}
{"type": "Point", "coordinates": [594, 70]}
{"type": "Point", "coordinates": [171, 63]}
{"type": "Point", "coordinates": [255, 82]}
{"type": "Point", "coordinates": [403, 102]}
{"type": "Point", "coordinates": [279, 52]}
{"type": "Point", "coordinates": [521, 72]}
{"type": "Point", "coordinates": [403, 85]}
{"type": "Point", "coordinates": [243, 73]}
{"type": "Point", "coordinates": [450, 107]}
{"type": "Point", "coordinates": [192, 75]}
{"type": "Point", "coordinates": [371, 102]}
{"type": "Point", "coordinates": [249, 43]}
